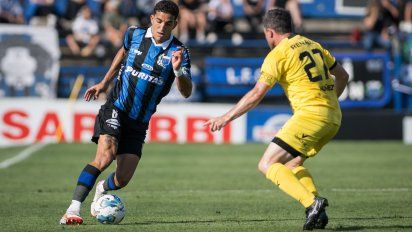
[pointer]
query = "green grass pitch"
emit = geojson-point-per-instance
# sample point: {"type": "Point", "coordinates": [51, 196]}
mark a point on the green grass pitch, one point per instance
{"type": "Point", "coordinates": [201, 187]}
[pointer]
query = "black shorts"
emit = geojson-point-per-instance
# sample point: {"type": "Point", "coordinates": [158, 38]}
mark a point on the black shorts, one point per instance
{"type": "Point", "coordinates": [129, 133]}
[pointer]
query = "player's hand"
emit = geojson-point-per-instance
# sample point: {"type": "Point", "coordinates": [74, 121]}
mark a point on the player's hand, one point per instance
{"type": "Point", "coordinates": [217, 123]}
{"type": "Point", "coordinates": [177, 59]}
{"type": "Point", "coordinates": [94, 91]}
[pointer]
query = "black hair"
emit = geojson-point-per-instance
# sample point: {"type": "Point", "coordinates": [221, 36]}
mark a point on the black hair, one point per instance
{"type": "Point", "coordinates": [279, 20]}
{"type": "Point", "coordinates": [167, 6]}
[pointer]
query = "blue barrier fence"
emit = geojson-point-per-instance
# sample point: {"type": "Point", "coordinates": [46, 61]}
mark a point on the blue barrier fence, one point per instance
{"type": "Point", "coordinates": [370, 84]}
{"type": "Point", "coordinates": [320, 8]}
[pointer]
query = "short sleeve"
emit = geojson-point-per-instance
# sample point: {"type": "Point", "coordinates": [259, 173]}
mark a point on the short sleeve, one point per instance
{"type": "Point", "coordinates": [270, 72]}
{"type": "Point", "coordinates": [330, 60]}
{"type": "Point", "coordinates": [127, 38]}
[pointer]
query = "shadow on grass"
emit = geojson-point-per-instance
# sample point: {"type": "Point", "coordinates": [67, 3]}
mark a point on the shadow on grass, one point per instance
{"type": "Point", "coordinates": [372, 218]}
{"type": "Point", "coordinates": [339, 228]}
{"type": "Point", "coordinates": [209, 221]}
{"type": "Point", "coordinates": [355, 228]}
{"type": "Point", "coordinates": [372, 227]}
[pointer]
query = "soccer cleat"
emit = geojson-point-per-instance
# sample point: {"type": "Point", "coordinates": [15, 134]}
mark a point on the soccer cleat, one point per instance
{"type": "Point", "coordinates": [71, 219]}
{"type": "Point", "coordinates": [313, 212]}
{"type": "Point", "coordinates": [99, 193]}
{"type": "Point", "coordinates": [322, 220]}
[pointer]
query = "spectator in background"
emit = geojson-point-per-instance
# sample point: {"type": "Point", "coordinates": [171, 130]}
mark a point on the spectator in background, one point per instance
{"type": "Point", "coordinates": [44, 12]}
{"type": "Point", "coordinates": [128, 9]}
{"type": "Point", "coordinates": [145, 9]}
{"type": "Point", "coordinates": [84, 37]}
{"type": "Point", "coordinates": [380, 23]}
{"type": "Point", "coordinates": [405, 35]}
{"type": "Point", "coordinates": [11, 11]}
{"type": "Point", "coordinates": [114, 24]}
{"type": "Point", "coordinates": [405, 15]}
{"type": "Point", "coordinates": [73, 8]}
{"type": "Point", "coordinates": [192, 16]}
{"type": "Point", "coordinates": [408, 11]}
{"type": "Point", "coordinates": [220, 16]}
{"type": "Point", "coordinates": [64, 23]}
{"type": "Point", "coordinates": [292, 6]}
{"type": "Point", "coordinates": [254, 9]}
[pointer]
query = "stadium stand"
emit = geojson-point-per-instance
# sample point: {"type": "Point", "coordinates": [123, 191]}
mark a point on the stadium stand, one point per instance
{"type": "Point", "coordinates": [234, 48]}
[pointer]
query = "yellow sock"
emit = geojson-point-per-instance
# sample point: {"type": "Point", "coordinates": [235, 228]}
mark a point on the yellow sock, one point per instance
{"type": "Point", "coordinates": [283, 177]}
{"type": "Point", "coordinates": [305, 179]}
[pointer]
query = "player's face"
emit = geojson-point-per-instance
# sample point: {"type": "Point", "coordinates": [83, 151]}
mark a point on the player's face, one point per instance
{"type": "Point", "coordinates": [162, 26]}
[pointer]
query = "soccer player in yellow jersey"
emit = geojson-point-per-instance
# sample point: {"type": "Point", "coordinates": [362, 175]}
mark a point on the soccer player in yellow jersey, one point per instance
{"type": "Point", "coordinates": [304, 69]}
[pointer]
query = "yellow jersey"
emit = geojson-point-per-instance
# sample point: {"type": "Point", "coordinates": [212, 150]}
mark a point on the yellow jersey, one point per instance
{"type": "Point", "coordinates": [301, 66]}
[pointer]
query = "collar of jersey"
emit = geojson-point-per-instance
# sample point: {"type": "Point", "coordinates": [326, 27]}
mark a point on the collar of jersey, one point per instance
{"type": "Point", "coordinates": [164, 45]}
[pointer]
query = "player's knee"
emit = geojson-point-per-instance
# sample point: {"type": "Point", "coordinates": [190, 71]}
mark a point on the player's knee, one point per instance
{"type": "Point", "coordinates": [101, 165]}
{"type": "Point", "coordinates": [103, 161]}
{"type": "Point", "coordinates": [296, 162]}
{"type": "Point", "coordinates": [263, 167]}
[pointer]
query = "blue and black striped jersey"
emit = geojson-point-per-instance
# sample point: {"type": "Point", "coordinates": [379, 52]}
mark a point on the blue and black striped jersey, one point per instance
{"type": "Point", "coordinates": [146, 75]}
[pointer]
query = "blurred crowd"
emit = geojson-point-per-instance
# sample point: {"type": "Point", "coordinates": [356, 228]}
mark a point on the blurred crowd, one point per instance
{"type": "Point", "coordinates": [85, 23]}
{"type": "Point", "coordinates": [385, 20]}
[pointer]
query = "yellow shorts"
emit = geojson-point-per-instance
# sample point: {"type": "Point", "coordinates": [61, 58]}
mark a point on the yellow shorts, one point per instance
{"type": "Point", "coordinates": [305, 134]}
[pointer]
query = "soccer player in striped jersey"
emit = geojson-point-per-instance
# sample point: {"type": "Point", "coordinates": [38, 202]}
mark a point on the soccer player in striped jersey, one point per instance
{"type": "Point", "coordinates": [146, 66]}
{"type": "Point", "coordinates": [303, 68]}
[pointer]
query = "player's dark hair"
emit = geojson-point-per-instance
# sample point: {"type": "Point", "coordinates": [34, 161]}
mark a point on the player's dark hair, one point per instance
{"type": "Point", "coordinates": [279, 20]}
{"type": "Point", "coordinates": [167, 6]}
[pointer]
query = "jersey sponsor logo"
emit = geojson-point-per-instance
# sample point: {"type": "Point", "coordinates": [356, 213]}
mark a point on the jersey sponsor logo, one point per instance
{"type": "Point", "coordinates": [163, 60]}
{"type": "Point", "coordinates": [113, 122]}
{"type": "Point", "coordinates": [144, 76]}
{"type": "Point", "coordinates": [147, 66]}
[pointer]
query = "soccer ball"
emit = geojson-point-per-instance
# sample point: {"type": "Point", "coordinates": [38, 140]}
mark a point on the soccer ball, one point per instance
{"type": "Point", "coordinates": [110, 209]}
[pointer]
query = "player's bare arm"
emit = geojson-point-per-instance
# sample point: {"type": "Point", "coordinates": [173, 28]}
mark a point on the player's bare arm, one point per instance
{"type": "Point", "coordinates": [249, 101]}
{"type": "Point", "coordinates": [341, 78]}
{"type": "Point", "coordinates": [95, 90]}
{"type": "Point", "coordinates": [184, 84]}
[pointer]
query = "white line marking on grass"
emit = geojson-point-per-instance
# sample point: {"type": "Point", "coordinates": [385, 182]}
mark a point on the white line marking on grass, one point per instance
{"type": "Point", "coordinates": [371, 190]}
{"type": "Point", "coordinates": [22, 155]}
